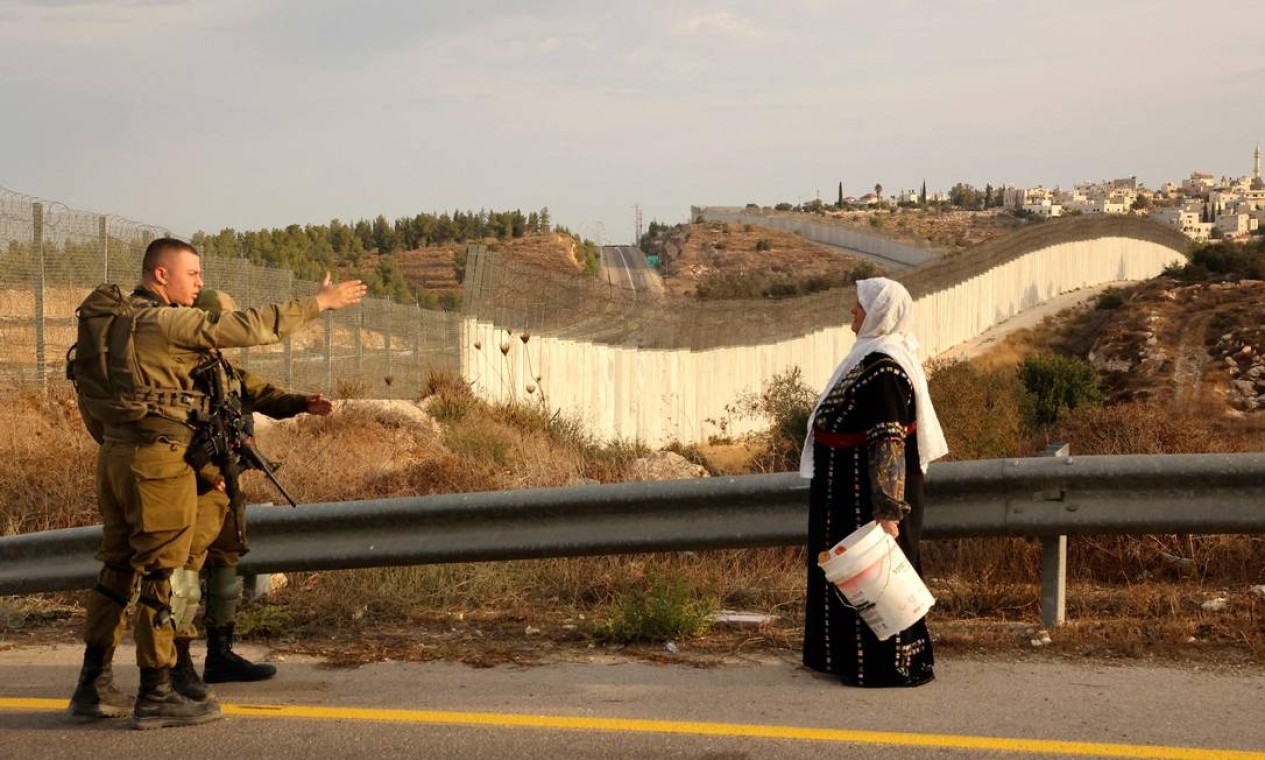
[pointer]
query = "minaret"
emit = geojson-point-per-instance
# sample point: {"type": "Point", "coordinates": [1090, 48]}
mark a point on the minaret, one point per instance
{"type": "Point", "coordinates": [1256, 172]}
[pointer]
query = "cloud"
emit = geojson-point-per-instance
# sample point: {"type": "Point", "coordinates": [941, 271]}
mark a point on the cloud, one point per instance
{"type": "Point", "coordinates": [720, 24]}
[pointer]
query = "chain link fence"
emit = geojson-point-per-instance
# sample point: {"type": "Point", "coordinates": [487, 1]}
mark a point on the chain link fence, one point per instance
{"type": "Point", "coordinates": [53, 256]}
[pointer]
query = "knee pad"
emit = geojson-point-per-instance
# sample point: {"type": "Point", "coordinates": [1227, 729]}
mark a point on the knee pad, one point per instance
{"type": "Point", "coordinates": [186, 592]}
{"type": "Point", "coordinates": [222, 595]}
{"type": "Point", "coordinates": [221, 583]}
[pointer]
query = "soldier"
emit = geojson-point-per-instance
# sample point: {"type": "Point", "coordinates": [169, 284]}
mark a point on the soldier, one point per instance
{"type": "Point", "coordinates": [133, 365]}
{"type": "Point", "coordinates": [219, 537]}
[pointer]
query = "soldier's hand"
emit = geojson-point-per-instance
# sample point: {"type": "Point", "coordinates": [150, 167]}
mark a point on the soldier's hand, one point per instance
{"type": "Point", "coordinates": [220, 485]}
{"type": "Point", "coordinates": [341, 295]}
{"type": "Point", "coordinates": [319, 405]}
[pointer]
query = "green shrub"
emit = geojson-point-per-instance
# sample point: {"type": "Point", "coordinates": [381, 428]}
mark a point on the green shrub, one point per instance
{"type": "Point", "coordinates": [1056, 384]}
{"type": "Point", "coordinates": [763, 244]}
{"type": "Point", "coordinates": [1110, 300]}
{"type": "Point", "coordinates": [1221, 261]}
{"type": "Point", "coordinates": [784, 403]}
{"type": "Point", "coordinates": [663, 610]}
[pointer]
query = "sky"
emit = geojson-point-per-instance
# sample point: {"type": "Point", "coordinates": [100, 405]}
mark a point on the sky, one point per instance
{"type": "Point", "coordinates": [207, 114]}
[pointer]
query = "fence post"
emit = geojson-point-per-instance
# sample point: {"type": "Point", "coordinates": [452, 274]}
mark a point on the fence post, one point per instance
{"type": "Point", "coordinates": [1054, 563]}
{"type": "Point", "coordinates": [358, 341]}
{"type": "Point", "coordinates": [103, 234]}
{"type": "Point", "coordinates": [37, 240]}
{"type": "Point", "coordinates": [387, 340]}
{"type": "Point", "coordinates": [417, 348]}
{"type": "Point", "coordinates": [329, 352]}
{"type": "Point", "coordinates": [287, 343]}
{"type": "Point", "coordinates": [247, 302]}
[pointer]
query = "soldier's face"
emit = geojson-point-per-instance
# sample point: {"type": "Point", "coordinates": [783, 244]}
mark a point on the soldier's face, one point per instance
{"type": "Point", "coordinates": [183, 277]}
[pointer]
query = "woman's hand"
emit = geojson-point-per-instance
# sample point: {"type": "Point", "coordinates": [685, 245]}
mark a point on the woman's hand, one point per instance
{"type": "Point", "coordinates": [890, 527]}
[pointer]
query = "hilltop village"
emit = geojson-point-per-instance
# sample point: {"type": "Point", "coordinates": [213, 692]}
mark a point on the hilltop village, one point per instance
{"type": "Point", "coordinates": [1202, 206]}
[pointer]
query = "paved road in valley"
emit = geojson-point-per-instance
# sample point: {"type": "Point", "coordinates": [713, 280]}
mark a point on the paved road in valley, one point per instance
{"type": "Point", "coordinates": [625, 267]}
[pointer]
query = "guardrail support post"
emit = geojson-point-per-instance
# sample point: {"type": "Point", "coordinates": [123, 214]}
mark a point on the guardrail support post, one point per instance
{"type": "Point", "coordinates": [1054, 563]}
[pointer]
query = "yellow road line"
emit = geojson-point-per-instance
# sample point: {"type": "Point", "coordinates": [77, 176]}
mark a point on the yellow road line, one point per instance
{"type": "Point", "coordinates": [630, 725]}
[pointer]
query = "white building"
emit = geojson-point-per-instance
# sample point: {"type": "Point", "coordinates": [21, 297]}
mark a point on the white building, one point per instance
{"type": "Point", "coordinates": [1187, 220]}
{"type": "Point", "coordinates": [1099, 206]}
{"type": "Point", "coordinates": [1234, 225]}
{"type": "Point", "coordinates": [1198, 184]}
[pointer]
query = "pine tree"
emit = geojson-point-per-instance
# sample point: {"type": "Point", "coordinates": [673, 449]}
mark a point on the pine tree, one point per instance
{"type": "Point", "coordinates": [839, 203]}
{"type": "Point", "coordinates": [922, 194]}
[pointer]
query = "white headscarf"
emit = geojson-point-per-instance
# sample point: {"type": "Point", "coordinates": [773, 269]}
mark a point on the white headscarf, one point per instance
{"type": "Point", "coordinates": [888, 329]}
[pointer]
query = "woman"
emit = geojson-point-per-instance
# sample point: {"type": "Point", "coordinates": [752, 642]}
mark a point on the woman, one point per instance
{"type": "Point", "coordinates": [870, 438]}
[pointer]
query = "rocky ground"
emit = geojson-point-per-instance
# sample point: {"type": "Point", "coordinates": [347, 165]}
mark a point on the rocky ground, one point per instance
{"type": "Point", "coordinates": [1193, 344]}
{"type": "Point", "coordinates": [949, 230]}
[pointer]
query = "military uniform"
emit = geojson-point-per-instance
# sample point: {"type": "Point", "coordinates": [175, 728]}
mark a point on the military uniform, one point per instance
{"type": "Point", "coordinates": [147, 492]}
{"type": "Point", "coordinates": [219, 539]}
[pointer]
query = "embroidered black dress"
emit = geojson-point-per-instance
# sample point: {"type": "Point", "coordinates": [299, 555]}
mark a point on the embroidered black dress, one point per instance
{"type": "Point", "coordinates": [851, 486]}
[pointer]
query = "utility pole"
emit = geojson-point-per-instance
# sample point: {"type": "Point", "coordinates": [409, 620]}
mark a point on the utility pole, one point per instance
{"type": "Point", "coordinates": [637, 224]}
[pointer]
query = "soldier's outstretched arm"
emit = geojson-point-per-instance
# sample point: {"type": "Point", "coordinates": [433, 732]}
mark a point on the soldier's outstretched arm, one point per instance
{"type": "Point", "coordinates": [257, 326]}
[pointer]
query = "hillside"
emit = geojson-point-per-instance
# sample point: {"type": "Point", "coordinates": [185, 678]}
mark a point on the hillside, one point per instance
{"type": "Point", "coordinates": [438, 269]}
{"type": "Point", "coordinates": [949, 230]}
{"type": "Point", "coordinates": [1196, 345]}
{"type": "Point", "coordinates": [1193, 348]}
{"type": "Point", "coordinates": [724, 260]}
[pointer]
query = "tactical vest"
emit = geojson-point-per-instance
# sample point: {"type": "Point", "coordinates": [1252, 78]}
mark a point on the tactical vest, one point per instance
{"type": "Point", "coordinates": [103, 368]}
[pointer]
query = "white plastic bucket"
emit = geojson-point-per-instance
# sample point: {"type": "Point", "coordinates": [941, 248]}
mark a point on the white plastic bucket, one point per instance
{"type": "Point", "coordinates": [876, 579]}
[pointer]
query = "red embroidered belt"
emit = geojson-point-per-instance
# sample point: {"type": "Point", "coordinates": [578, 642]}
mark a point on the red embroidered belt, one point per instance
{"type": "Point", "coordinates": [849, 440]}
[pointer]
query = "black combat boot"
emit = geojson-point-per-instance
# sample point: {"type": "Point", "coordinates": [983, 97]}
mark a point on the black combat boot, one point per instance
{"type": "Point", "coordinates": [160, 706]}
{"type": "Point", "coordinates": [184, 676]}
{"type": "Point", "coordinates": [95, 696]}
{"type": "Point", "coordinates": [223, 664]}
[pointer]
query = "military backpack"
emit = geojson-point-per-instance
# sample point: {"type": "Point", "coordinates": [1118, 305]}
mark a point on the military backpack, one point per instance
{"type": "Point", "coordinates": [102, 363]}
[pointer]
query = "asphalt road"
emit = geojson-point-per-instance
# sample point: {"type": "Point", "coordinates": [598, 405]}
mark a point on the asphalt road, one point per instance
{"type": "Point", "coordinates": [612, 708]}
{"type": "Point", "coordinates": [625, 267]}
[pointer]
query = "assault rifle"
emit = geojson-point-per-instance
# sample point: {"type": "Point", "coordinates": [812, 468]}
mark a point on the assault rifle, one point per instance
{"type": "Point", "coordinates": [226, 433]}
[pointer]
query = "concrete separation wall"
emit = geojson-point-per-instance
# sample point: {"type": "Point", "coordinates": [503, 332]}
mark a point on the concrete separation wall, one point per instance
{"type": "Point", "coordinates": [661, 395]}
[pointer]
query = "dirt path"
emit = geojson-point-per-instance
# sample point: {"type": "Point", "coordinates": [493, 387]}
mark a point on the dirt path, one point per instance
{"type": "Point", "coordinates": [1190, 360]}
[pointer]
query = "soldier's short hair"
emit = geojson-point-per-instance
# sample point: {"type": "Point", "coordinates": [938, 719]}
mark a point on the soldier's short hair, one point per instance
{"type": "Point", "coordinates": [158, 250]}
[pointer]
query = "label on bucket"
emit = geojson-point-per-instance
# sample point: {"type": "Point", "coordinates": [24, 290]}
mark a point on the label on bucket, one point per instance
{"type": "Point", "coordinates": [875, 578]}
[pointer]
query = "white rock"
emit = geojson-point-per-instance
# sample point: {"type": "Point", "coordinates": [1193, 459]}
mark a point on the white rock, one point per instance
{"type": "Point", "coordinates": [732, 617]}
{"type": "Point", "coordinates": [1218, 604]}
{"type": "Point", "coordinates": [665, 465]}
{"type": "Point", "coordinates": [531, 630]}
{"type": "Point", "coordinates": [1259, 591]}
{"type": "Point", "coordinates": [671, 647]}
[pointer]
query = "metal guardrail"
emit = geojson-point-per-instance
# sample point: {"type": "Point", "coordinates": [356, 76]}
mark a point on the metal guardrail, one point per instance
{"type": "Point", "coordinates": [1047, 497]}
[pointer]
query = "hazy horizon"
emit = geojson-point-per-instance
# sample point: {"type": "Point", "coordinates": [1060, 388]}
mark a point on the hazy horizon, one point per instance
{"type": "Point", "coordinates": [203, 115]}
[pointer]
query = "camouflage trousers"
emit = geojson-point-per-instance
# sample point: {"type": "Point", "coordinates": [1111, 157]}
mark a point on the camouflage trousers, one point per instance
{"type": "Point", "coordinates": [147, 497]}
